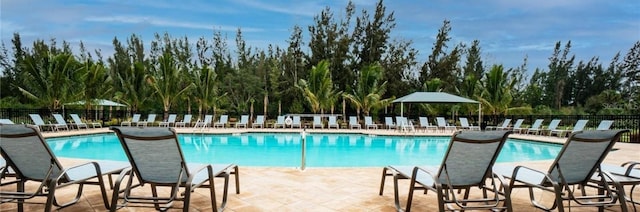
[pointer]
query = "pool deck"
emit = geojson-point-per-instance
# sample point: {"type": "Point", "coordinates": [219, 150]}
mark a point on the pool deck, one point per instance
{"type": "Point", "coordinates": [313, 189]}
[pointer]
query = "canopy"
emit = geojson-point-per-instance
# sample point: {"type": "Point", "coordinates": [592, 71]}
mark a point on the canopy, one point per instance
{"type": "Point", "coordinates": [433, 97]}
{"type": "Point", "coordinates": [98, 102]}
{"type": "Point", "coordinates": [436, 98]}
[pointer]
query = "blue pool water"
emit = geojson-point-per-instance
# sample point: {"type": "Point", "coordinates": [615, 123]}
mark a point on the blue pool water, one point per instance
{"type": "Point", "coordinates": [284, 149]}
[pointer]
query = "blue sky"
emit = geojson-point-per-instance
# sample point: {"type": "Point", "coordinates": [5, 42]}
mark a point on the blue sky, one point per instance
{"type": "Point", "coordinates": [508, 30]}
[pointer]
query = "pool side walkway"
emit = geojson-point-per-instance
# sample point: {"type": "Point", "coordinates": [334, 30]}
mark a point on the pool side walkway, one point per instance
{"type": "Point", "coordinates": [314, 189]}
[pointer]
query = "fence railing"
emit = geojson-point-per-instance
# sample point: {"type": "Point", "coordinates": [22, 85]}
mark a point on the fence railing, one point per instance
{"type": "Point", "coordinates": [107, 117]}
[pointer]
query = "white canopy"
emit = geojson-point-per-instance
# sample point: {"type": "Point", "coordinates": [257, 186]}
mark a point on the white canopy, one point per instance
{"type": "Point", "coordinates": [437, 98]}
{"type": "Point", "coordinates": [98, 102]}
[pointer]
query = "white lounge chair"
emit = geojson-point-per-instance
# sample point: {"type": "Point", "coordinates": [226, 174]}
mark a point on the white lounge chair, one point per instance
{"type": "Point", "coordinates": [333, 122]}
{"type": "Point", "coordinates": [170, 120]}
{"type": "Point", "coordinates": [317, 122]}
{"type": "Point", "coordinates": [552, 126]}
{"type": "Point", "coordinates": [296, 122]}
{"type": "Point", "coordinates": [605, 125]}
{"type": "Point", "coordinates": [204, 123]}
{"type": "Point", "coordinates": [464, 124]}
{"type": "Point", "coordinates": [579, 126]}
{"type": "Point", "coordinates": [442, 124]}
{"type": "Point", "coordinates": [244, 121]}
{"type": "Point", "coordinates": [353, 122]}
{"type": "Point", "coordinates": [259, 122]}
{"type": "Point", "coordinates": [505, 125]}
{"type": "Point", "coordinates": [61, 123]}
{"type": "Point", "coordinates": [150, 119]}
{"type": "Point", "coordinates": [78, 122]}
{"type": "Point", "coordinates": [37, 120]}
{"type": "Point", "coordinates": [536, 127]}
{"type": "Point", "coordinates": [279, 122]}
{"type": "Point", "coordinates": [424, 124]}
{"type": "Point", "coordinates": [368, 123]}
{"type": "Point", "coordinates": [6, 121]}
{"type": "Point", "coordinates": [388, 123]}
{"type": "Point", "coordinates": [222, 122]}
{"type": "Point", "coordinates": [517, 127]}
{"type": "Point", "coordinates": [134, 120]}
{"type": "Point", "coordinates": [186, 121]}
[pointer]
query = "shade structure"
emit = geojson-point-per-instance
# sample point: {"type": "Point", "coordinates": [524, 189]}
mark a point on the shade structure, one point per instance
{"type": "Point", "coordinates": [433, 97]}
{"type": "Point", "coordinates": [98, 102]}
{"type": "Point", "coordinates": [436, 98]}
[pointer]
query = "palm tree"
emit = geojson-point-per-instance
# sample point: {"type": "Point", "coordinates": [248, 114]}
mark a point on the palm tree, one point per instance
{"type": "Point", "coordinates": [48, 80]}
{"type": "Point", "coordinates": [94, 83]}
{"type": "Point", "coordinates": [318, 89]}
{"type": "Point", "coordinates": [205, 91]}
{"type": "Point", "coordinates": [131, 86]}
{"type": "Point", "coordinates": [166, 81]}
{"type": "Point", "coordinates": [369, 90]}
{"type": "Point", "coordinates": [496, 90]}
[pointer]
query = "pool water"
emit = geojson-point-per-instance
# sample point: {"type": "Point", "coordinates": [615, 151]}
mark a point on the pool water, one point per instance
{"type": "Point", "coordinates": [285, 149]}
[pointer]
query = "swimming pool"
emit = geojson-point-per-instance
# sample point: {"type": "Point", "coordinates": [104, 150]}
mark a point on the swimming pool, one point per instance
{"type": "Point", "coordinates": [284, 149]}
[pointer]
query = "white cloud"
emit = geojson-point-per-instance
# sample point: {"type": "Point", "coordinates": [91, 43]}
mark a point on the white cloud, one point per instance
{"type": "Point", "coordinates": [127, 19]}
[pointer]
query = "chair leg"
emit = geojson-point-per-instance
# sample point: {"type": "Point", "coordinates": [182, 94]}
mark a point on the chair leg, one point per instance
{"type": "Point", "coordinates": [384, 176]}
{"type": "Point", "coordinates": [236, 172]}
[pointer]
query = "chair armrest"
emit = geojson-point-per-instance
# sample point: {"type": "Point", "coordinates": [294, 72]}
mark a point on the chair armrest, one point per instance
{"type": "Point", "coordinates": [81, 172]}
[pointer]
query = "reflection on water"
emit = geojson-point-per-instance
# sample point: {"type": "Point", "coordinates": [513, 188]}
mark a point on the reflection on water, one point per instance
{"type": "Point", "coordinates": [284, 149]}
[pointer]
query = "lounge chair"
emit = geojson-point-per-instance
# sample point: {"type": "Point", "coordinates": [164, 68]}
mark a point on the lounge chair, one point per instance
{"type": "Point", "coordinates": [552, 126]}
{"type": "Point", "coordinates": [134, 120]}
{"type": "Point", "coordinates": [244, 121]}
{"type": "Point", "coordinates": [333, 122]}
{"type": "Point", "coordinates": [204, 123]}
{"type": "Point", "coordinates": [627, 174]}
{"type": "Point", "coordinates": [464, 124]}
{"type": "Point", "coordinates": [569, 178]}
{"type": "Point", "coordinates": [536, 127]}
{"type": "Point", "coordinates": [259, 122]}
{"type": "Point", "coordinates": [403, 124]}
{"type": "Point", "coordinates": [78, 122]}
{"type": "Point", "coordinates": [368, 123]}
{"type": "Point", "coordinates": [296, 122]}
{"type": "Point", "coordinates": [579, 126]}
{"type": "Point", "coordinates": [6, 121]}
{"type": "Point", "coordinates": [156, 159]}
{"type": "Point", "coordinates": [60, 122]}
{"type": "Point", "coordinates": [517, 127]}
{"type": "Point", "coordinates": [317, 122]}
{"type": "Point", "coordinates": [186, 121]}
{"type": "Point", "coordinates": [150, 119]}
{"type": "Point", "coordinates": [31, 159]}
{"type": "Point", "coordinates": [279, 122]}
{"type": "Point", "coordinates": [505, 125]}
{"type": "Point", "coordinates": [170, 120]}
{"type": "Point", "coordinates": [467, 164]}
{"type": "Point", "coordinates": [353, 122]}
{"type": "Point", "coordinates": [605, 125]}
{"type": "Point", "coordinates": [424, 123]}
{"type": "Point", "coordinates": [37, 120]}
{"type": "Point", "coordinates": [222, 122]}
{"type": "Point", "coordinates": [442, 124]}
{"type": "Point", "coordinates": [388, 123]}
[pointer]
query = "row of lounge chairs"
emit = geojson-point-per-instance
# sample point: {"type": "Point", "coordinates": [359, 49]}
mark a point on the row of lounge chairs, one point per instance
{"type": "Point", "coordinates": [552, 129]}
{"type": "Point", "coordinates": [60, 124]}
{"type": "Point", "coordinates": [26, 158]}
{"type": "Point", "coordinates": [578, 175]}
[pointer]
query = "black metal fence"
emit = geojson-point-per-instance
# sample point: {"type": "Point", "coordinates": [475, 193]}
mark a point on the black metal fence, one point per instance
{"type": "Point", "coordinates": [114, 117]}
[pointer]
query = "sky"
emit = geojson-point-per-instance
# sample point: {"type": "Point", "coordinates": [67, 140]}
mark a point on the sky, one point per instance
{"type": "Point", "coordinates": [508, 30]}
